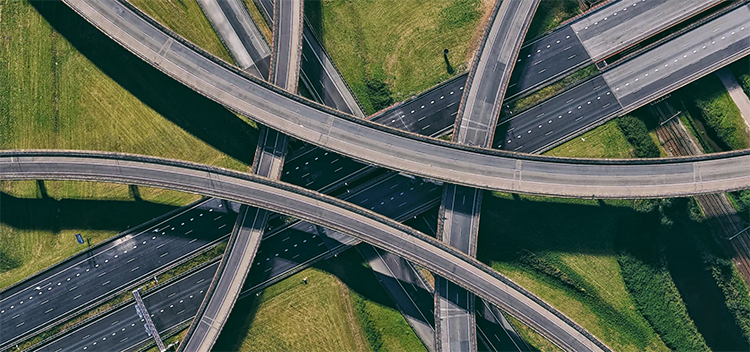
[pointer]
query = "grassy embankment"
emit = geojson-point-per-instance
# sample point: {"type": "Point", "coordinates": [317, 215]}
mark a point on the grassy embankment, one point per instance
{"type": "Point", "coordinates": [342, 308]}
{"type": "Point", "coordinates": [551, 14]}
{"type": "Point", "coordinates": [67, 86]}
{"type": "Point", "coordinates": [585, 261]}
{"type": "Point", "coordinates": [584, 258]}
{"type": "Point", "coordinates": [718, 111]}
{"type": "Point", "coordinates": [259, 20]}
{"type": "Point", "coordinates": [390, 50]}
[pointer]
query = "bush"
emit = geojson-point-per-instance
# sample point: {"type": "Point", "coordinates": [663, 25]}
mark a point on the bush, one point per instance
{"type": "Point", "coordinates": [657, 298]}
{"type": "Point", "coordinates": [741, 200]}
{"type": "Point", "coordinates": [637, 134]}
{"type": "Point", "coordinates": [735, 291]}
{"type": "Point", "coordinates": [378, 93]}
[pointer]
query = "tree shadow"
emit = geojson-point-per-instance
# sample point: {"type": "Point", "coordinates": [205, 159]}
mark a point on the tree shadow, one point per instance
{"type": "Point", "coordinates": [194, 113]}
{"type": "Point", "coordinates": [704, 300]}
{"type": "Point", "coordinates": [448, 67]}
{"type": "Point", "coordinates": [314, 16]}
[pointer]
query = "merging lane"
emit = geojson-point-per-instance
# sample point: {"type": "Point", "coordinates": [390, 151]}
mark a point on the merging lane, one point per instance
{"type": "Point", "coordinates": [238, 32]}
{"type": "Point", "coordinates": [87, 278]}
{"type": "Point", "coordinates": [629, 85]}
{"type": "Point", "coordinates": [596, 36]}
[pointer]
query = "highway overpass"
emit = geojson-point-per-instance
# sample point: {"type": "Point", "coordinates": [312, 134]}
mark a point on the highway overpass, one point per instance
{"type": "Point", "coordinates": [458, 223]}
{"type": "Point", "coordinates": [310, 206]}
{"type": "Point", "coordinates": [268, 162]}
{"type": "Point", "coordinates": [384, 146]}
{"type": "Point", "coordinates": [597, 35]}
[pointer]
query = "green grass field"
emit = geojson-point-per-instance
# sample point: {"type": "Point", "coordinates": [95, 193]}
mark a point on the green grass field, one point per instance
{"type": "Point", "coordinates": [606, 141]}
{"type": "Point", "coordinates": [64, 85]}
{"type": "Point", "coordinates": [341, 308]}
{"type": "Point", "coordinates": [186, 19]}
{"type": "Point", "coordinates": [399, 43]}
{"type": "Point", "coordinates": [259, 20]}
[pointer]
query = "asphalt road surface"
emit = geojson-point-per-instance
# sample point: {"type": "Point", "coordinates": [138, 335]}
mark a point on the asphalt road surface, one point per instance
{"type": "Point", "coordinates": [121, 329]}
{"type": "Point", "coordinates": [287, 45]}
{"type": "Point", "coordinates": [232, 22]}
{"type": "Point", "coordinates": [629, 85]}
{"type": "Point", "coordinates": [490, 74]}
{"type": "Point", "coordinates": [595, 36]}
{"type": "Point", "coordinates": [354, 137]}
{"type": "Point", "coordinates": [85, 278]}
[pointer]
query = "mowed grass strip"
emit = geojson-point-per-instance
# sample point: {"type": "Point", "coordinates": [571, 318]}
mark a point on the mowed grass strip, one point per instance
{"type": "Point", "coordinates": [341, 308]}
{"type": "Point", "coordinates": [719, 111]}
{"type": "Point", "coordinates": [64, 85]}
{"type": "Point", "coordinates": [606, 141]}
{"type": "Point", "coordinates": [389, 50]}
{"type": "Point", "coordinates": [186, 18]}
{"type": "Point", "coordinates": [38, 224]}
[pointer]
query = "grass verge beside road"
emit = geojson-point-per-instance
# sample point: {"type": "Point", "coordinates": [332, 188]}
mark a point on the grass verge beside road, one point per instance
{"type": "Point", "coordinates": [390, 50]}
{"type": "Point", "coordinates": [341, 308]}
{"type": "Point", "coordinates": [606, 141]}
{"type": "Point", "coordinates": [186, 18]}
{"type": "Point", "coordinates": [712, 103]}
{"type": "Point", "coordinates": [550, 14]}
{"type": "Point", "coordinates": [38, 224]}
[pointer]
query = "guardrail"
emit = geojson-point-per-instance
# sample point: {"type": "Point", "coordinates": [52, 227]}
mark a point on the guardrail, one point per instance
{"type": "Point", "coordinates": [329, 212]}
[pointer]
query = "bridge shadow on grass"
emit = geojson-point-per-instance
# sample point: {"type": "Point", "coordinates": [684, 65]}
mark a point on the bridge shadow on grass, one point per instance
{"type": "Point", "coordinates": [189, 110]}
{"type": "Point", "coordinates": [49, 214]}
{"type": "Point", "coordinates": [532, 235]}
{"type": "Point", "coordinates": [348, 267]}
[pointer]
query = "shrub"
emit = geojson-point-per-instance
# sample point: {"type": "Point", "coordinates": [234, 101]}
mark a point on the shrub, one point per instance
{"type": "Point", "coordinates": [657, 298]}
{"type": "Point", "coordinates": [735, 291]}
{"type": "Point", "coordinates": [637, 134]}
{"type": "Point", "coordinates": [378, 93]}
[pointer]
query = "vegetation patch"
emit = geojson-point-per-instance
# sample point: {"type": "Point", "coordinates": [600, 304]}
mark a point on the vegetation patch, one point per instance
{"type": "Point", "coordinates": [657, 298]}
{"type": "Point", "coordinates": [397, 45]}
{"type": "Point", "coordinates": [741, 70]}
{"type": "Point", "coordinates": [636, 133]}
{"type": "Point", "coordinates": [574, 263]}
{"type": "Point", "coordinates": [605, 141]}
{"type": "Point", "coordinates": [186, 18]}
{"type": "Point", "coordinates": [551, 14]}
{"type": "Point", "coordinates": [518, 105]}
{"type": "Point", "coordinates": [341, 308]}
{"type": "Point", "coordinates": [718, 111]}
{"type": "Point", "coordinates": [734, 289]}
